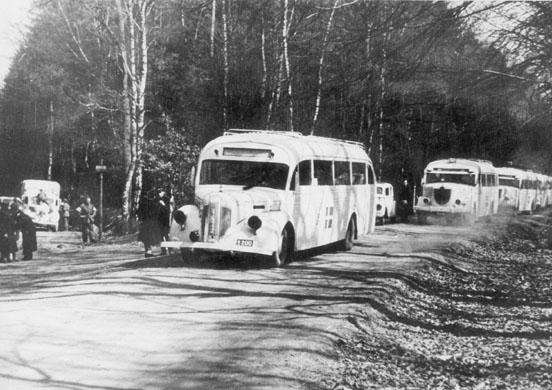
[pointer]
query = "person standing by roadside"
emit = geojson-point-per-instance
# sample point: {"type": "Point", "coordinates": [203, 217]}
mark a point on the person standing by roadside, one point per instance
{"type": "Point", "coordinates": [25, 224]}
{"type": "Point", "coordinates": [150, 232]}
{"type": "Point", "coordinates": [6, 229]}
{"type": "Point", "coordinates": [405, 201]}
{"type": "Point", "coordinates": [164, 216]}
{"type": "Point", "coordinates": [64, 214]}
{"type": "Point", "coordinates": [87, 212]}
{"type": "Point", "coordinates": [13, 234]}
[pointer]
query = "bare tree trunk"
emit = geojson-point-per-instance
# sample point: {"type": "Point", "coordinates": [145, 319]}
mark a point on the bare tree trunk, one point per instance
{"type": "Point", "coordinates": [285, 37]}
{"type": "Point", "coordinates": [226, 66]}
{"type": "Point", "coordinates": [50, 140]}
{"type": "Point", "coordinates": [213, 24]}
{"type": "Point", "coordinates": [321, 66]}
{"type": "Point", "coordinates": [263, 57]}
{"type": "Point", "coordinates": [381, 115]}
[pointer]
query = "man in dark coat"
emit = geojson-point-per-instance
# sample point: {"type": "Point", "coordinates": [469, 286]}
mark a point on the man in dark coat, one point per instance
{"type": "Point", "coordinates": [149, 210]}
{"type": "Point", "coordinates": [28, 232]}
{"type": "Point", "coordinates": [405, 201]}
{"type": "Point", "coordinates": [87, 212]}
{"type": "Point", "coordinates": [164, 217]}
{"type": "Point", "coordinates": [5, 229]}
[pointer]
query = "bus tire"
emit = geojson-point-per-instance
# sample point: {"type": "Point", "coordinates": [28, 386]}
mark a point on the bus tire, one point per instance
{"type": "Point", "coordinates": [347, 242]}
{"type": "Point", "coordinates": [283, 255]}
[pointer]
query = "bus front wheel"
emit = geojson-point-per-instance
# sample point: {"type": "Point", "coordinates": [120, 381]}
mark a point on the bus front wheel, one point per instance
{"type": "Point", "coordinates": [347, 243]}
{"type": "Point", "coordinates": [283, 255]}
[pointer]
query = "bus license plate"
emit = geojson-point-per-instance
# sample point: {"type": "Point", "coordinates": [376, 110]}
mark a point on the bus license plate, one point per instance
{"type": "Point", "coordinates": [241, 242]}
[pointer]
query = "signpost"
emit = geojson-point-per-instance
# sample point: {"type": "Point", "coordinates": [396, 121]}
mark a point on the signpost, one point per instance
{"type": "Point", "coordinates": [101, 169]}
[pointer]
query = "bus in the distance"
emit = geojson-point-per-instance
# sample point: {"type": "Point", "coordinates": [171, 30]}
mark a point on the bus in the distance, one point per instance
{"type": "Point", "coordinates": [458, 188]}
{"type": "Point", "coordinates": [273, 193]}
{"type": "Point", "coordinates": [528, 193]}
{"type": "Point", "coordinates": [509, 187]}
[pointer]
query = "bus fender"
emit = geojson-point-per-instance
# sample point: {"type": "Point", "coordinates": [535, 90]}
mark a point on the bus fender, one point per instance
{"type": "Point", "coordinates": [184, 220]}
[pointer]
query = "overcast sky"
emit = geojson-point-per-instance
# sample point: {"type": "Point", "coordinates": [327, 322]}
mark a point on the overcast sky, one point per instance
{"type": "Point", "coordinates": [14, 20]}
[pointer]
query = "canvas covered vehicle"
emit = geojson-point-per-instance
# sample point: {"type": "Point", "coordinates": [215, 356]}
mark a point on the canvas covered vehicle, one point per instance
{"type": "Point", "coordinates": [273, 193]}
{"type": "Point", "coordinates": [385, 203]}
{"type": "Point", "coordinates": [41, 201]}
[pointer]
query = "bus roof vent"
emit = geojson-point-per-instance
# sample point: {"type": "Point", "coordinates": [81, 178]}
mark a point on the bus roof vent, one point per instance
{"type": "Point", "coordinates": [280, 132]}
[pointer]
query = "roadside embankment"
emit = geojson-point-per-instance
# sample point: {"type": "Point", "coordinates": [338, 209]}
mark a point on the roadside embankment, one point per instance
{"type": "Point", "coordinates": [481, 318]}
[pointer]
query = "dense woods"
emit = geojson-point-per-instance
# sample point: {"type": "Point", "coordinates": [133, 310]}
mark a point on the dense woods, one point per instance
{"type": "Point", "coordinates": [143, 84]}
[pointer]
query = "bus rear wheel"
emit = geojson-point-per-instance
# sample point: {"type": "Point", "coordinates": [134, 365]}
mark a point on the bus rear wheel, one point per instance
{"type": "Point", "coordinates": [283, 255]}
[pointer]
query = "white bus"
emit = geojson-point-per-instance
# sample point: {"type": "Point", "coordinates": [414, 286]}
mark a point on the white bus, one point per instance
{"type": "Point", "coordinates": [458, 188]}
{"type": "Point", "coordinates": [385, 203]}
{"type": "Point", "coordinates": [509, 186]}
{"type": "Point", "coordinates": [274, 193]}
{"type": "Point", "coordinates": [528, 193]}
{"type": "Point", "coordinates": [41, 202]}
{"type": "Point", "coordinates": [541, 199]}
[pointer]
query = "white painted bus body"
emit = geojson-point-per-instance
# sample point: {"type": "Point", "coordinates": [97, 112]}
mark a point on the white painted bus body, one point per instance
{"type": "Point", "coordinates": [509, 185]}
{"type": "Point", "coordinates": [385, 201]}
{"type": "Point", "coordinates": [314, 211]}
{"type": "Point", "coordinates": [459, 187]}
{"type": "Point", "coordinates": [541, 197]}
{"type": "Point", "coordinates": [528, 193]}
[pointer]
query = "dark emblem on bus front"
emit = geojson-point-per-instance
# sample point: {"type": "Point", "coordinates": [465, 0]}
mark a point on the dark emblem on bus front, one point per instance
{"type": "Point", "coordinates": [442, 195]}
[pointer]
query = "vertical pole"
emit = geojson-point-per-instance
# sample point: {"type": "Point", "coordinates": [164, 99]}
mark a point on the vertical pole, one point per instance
{"type": "Point", "coordinates": [101, 202]}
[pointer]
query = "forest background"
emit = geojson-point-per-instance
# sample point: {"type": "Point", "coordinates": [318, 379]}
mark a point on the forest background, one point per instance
{"type": "Point", "coordinates": [142, 85]}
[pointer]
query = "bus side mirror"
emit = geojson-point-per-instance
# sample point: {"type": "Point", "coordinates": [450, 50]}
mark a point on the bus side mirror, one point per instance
{"type": "Point", "coordinates": [192, 175]}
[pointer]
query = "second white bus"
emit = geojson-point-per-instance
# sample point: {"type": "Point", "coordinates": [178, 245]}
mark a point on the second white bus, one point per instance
{"type": "Point", "coordinates": [458, 188]}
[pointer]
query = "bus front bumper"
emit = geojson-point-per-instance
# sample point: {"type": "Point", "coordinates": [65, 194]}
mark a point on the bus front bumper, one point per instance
{"type": "Point", "coordinates": [442, 210]}
{"type": "Point", "coordinates": [215, 247]}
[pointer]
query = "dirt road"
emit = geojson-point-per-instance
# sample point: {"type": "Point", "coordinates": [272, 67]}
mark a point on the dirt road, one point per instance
{"type": "Point", "coordinates": [102, 317]}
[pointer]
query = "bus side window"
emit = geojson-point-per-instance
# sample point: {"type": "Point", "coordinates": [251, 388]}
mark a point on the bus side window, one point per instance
{"type": "Point", "coordinates": [323, 172]}
{"type": "Point", "coordinates": [342, 173]}
{"type": "Point", "coordinates": [371, 176]}
{"type": "Point", "coordinates": [387, 192]}
{"type": "Point", "coordinates": [359, 173]}
{"type": "Point", "coordinates": [305, 176]}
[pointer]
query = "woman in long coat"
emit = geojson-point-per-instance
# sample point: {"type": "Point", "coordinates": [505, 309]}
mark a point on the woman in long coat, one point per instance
{"type": "Point", "coordinates": [28, 233]}
{"type": "Point", "coordinates": [150, 232]}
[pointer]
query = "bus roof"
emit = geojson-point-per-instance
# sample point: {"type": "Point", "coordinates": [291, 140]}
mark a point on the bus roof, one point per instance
{"type": "Point", "coordinates": [483, 166]}
{"type": "Point", "coordinates": [296, 146]}
{"type": "Point", "coordinates": [510, 171]}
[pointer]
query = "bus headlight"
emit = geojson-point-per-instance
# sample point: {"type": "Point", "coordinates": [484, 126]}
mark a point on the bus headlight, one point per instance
{"type": "Point", "coordinates": [378, 207]}
{"type": "Point", "coordinates": [194, 236]}
{"type": "Point", "coordinates": [179, 217]}
{"type": "Point", "coordinates": [254, 223]}
{"type": "Point", "coordinates": [458, 202]}
{"type": "Point", "coordinates": [426, 201]}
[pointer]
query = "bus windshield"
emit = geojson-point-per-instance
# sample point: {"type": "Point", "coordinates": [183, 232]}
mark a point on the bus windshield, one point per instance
{"type": "Point", "coordinates": [508, 182]}
{"type": "Point", "coordinates": [244, 173]}
{"type": "Point", "coordinates": [460, 178]}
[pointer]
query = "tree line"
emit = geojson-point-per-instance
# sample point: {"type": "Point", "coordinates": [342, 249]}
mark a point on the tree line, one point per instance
{"type": "Point", "coordinates": [142, 85]}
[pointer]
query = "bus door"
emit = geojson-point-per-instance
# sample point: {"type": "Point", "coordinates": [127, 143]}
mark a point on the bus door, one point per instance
{"type": "Point", "coordinates": [305, 205]}
{"type": "Point", "coordinates": [327, 219]}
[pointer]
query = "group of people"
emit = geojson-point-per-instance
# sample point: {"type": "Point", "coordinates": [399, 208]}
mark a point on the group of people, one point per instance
{"type": "Point", "coordinates": [154, 214]}
{"type": "Point", "coordinates": [13, 222]}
